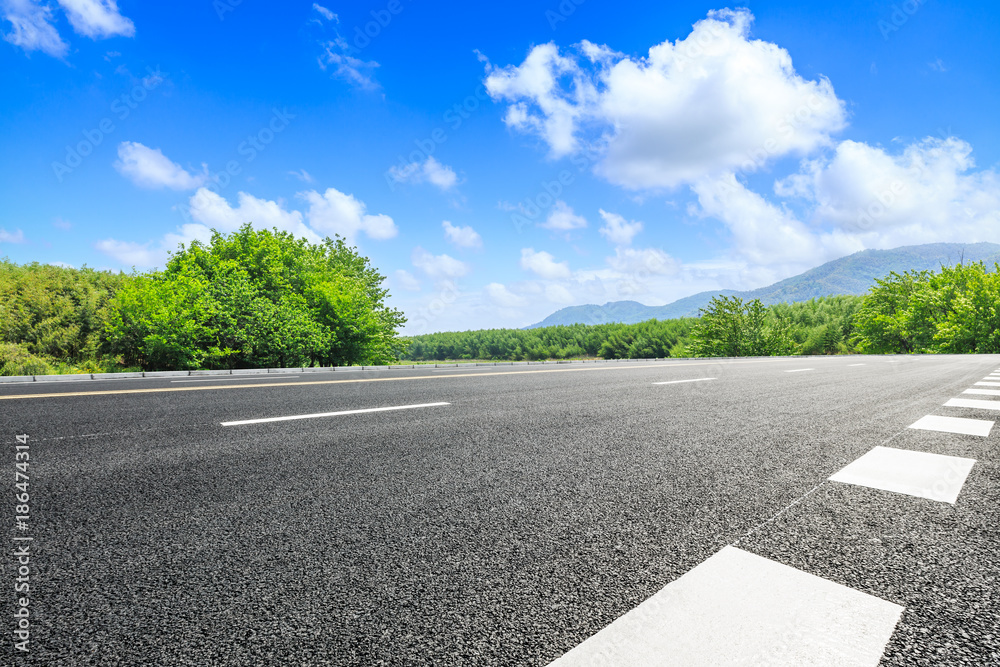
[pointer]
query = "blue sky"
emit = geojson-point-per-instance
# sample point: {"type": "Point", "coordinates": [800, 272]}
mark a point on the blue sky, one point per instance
{"type": "Point", "coordinates": [497, 163]}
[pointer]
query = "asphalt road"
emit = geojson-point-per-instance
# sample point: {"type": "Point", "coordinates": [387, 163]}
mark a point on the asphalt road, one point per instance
{"type": "Point", "coordinates": [504, 528]}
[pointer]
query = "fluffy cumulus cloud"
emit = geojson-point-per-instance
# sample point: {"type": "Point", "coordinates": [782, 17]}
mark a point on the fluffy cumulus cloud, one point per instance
{"type": "Point", "coordinates": [335, 212]}
{"type": "Point", "coordinates": [438, 266]}
{"type": "Point", "coordinates": [429, 171]}
{"type": "Point", "coordinates": [150, 168]}
{"type": "Point", "coordinates": [543, 264]}
{"type": "Point", "coordinates": [329, 213]}
{"type": "Point", "coordinates": [618, 230]}
{"type": "Point", "coordinates": [928, 192]}
{"type": "Point", "coordinates": [463, 237]}
{"type": "Point", "coordinates": [562, 218]}
{"type": "Point", "coordinates": [715, 101]}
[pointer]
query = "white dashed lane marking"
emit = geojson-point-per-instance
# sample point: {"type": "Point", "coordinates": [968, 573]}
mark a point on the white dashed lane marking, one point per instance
{"type": "Point", "coordinates": [737, 608]}
{"type": "Point", "coordinates": [799, 370]}
{"type": "Point", "coordinates": [333, 414]}
{"type": "Point", "coordinates": [683, 381]}
{"type": "Point", "coordinates": [919, 474]}
{"type": "Point", "coordinates": [972, 403]}
{"type": "Point", "coordinates": [980, 427]}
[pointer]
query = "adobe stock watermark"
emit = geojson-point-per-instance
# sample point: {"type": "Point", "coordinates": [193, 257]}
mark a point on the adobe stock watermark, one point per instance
{"type": "Point", "coordinates": [223, 7]}
{"type": "Point", "coordinates": [562, 13]}
{"type": "Point", "coordinates": [381, 18]}
{"type": "Point", "coordinates": [248, 149]}
{"type": "Point", "coordinates": [882, 203]}
{"type": "Point", "coordinates": [453, 118]}
{"type": "Point", "coordinates": [530, 210]}
{"type": "Point", "coordinates": [121, 108]}
{"type": "Point", "coordinates": [900, 16]}
{"type": "Point", "coordinates": [447, 295]}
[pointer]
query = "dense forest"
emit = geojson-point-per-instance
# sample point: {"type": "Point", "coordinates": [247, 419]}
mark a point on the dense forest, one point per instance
{"type": "Point", "coordinates": [252, 299]}
{"type": "Point", "coordinates": [258, 299]}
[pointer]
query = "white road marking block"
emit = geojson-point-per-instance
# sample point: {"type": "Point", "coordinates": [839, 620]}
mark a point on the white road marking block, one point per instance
{"type": "Point", "coordinates": [800, 370]}
{"type": "Point", "coordinates": [988, 384]}
{"type": "Point", "coordinates": [333, 414]}
{"type": "Point", "coordinates": [919, 474]}
{"type": "Point", "coordinates": [855, 364]}
{"type": "Point", "coordinates": [960, 425]}
{"type": "Point", "coordinates": [972, 403]}
{"type": "Point", "coordinates": [983, 392]}
{"type": "Point", "coordinates": [739, 609]}
{"type": "Point", "coordinates": [683, 381]}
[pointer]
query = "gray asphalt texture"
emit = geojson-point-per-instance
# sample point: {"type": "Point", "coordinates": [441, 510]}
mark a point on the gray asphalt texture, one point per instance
{"type": "Point", "coordinates": [503, 529]}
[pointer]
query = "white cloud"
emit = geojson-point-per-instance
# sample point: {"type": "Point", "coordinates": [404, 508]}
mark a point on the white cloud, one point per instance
{"type": "Point", "coordinates": [438, 266]}
{"type": "Point", "coordinates": [7, 237]}
{"type": "Point", "coordinates": [31, 27]}
{"type": "Point", "coordinates": [617, 229]}
{"type": "Point", "coordinates": [543, 264]}
{"type": "Point", "coordinates": [503, 297]}
{"type": "Point", "coordinates": [335, 212]}
{"type": "Point", "coordinates": [213, 211]}
{"type": "Point", "coordinates": [714, 102]}
{"type": "Point", "coordinates": [559, 294]}
{"type": "Point", "coordinates": [430, 171]}
{"type": "Point", "coordinates": [463, 237]}
{"type": "Point", "coordinates": [150, 168]}
{"type": "Point", "coordinates": [406, 280]}
{"type": "Point", "coordinates": [132, 254]}
{"type": "Point", "coordinates": [357, 72]}
{"type": "Point", "coordinates": [562, 218]}
{"type": "Point", "coordinates": [926, 193]}
{"type": "Point", "coordinates": [644, 262]}
{"type": "Point", "coordinates": [325, 13]}
{"type": "Point", "coordinates": [97, 18]}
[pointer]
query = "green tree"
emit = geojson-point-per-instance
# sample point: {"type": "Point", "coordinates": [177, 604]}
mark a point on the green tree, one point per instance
{"type": "Point", "coordinates": [731, 328]}
{"type": "Point", "coordinates": [257, 298]}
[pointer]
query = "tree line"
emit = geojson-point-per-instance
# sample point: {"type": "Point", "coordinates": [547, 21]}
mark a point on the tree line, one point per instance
{"type": "Point", "coordinates": [256, 299]}
{"type": "Point", "coordinates": [252, 299]}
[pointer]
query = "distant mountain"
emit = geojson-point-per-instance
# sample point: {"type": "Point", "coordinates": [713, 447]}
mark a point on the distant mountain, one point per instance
{"type": "Point", "coordinates": [853, 274]}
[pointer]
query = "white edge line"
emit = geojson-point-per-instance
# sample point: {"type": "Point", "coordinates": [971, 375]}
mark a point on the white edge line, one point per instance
{"type": "Point", "coordinates": [262, 376]}
{"type": "Point", "coordinates": [332, 414]}
{"type": "Point", "coordinates": [681, 381]}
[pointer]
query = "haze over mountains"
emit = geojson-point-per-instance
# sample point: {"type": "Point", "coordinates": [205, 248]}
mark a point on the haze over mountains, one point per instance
{"type": "Point", "coordinates": [853, 274]}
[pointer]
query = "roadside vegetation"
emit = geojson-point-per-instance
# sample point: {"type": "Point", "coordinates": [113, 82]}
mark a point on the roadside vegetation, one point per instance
{"type": "Point", "coordinates": [252, 299]}
{"type": "Point", "coordinates": [257, 299]}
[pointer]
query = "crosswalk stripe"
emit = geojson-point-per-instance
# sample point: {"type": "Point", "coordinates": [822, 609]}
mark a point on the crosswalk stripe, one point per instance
{"type": "Point", "coordinates": [919, 474]}
{"type": "Point", "coordinates": [737, 608]}
{"type": "Point", "coordinates": [961, 425]}
{"type": "Point", "coordinates": [972, 403]}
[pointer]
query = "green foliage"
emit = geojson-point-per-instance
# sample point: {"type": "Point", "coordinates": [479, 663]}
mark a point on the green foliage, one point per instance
{"type": "Point", "coordinates": [256, 299]}
{"type": "Point", "coordinates": [821, 326]}
{"type": "Point", "coordinates": [731, 328]}
{"type": "Point", "coordinates": [652, 339]}
{"type": "Point", "coordinates": [954, 310]}
{"type": "Point", "coordinates": [55, 312]}
{"type": "Point", "coordinates": [17, 360]}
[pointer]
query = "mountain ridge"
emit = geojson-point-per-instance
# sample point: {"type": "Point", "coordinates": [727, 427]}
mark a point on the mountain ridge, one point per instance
{"type": "Point", "coordinates": [853, 274]}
